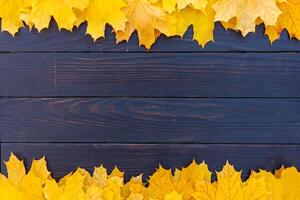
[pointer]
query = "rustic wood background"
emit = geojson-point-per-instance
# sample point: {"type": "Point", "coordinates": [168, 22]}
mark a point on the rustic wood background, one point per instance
{"type": "Point", "coordinates": [85, 103]}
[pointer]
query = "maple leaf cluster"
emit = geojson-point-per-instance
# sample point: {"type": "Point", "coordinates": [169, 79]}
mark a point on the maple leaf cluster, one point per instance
{"type": "Point", "coordinates": [190, 183]}
{"type": "Point", "coordinates": [151, 18]}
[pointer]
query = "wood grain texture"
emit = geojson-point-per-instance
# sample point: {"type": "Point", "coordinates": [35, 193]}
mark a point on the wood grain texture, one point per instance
{"type": "Point", "coordinates": [136, 159]}
{"type": "Point", "coordinates": [237, 99]}
{"type": "Point", "coordinates": [53, 40]}
{"type": "Point", "coordinates": [154, 120]}
{"type": "Point", "coordinates": [150, 74]}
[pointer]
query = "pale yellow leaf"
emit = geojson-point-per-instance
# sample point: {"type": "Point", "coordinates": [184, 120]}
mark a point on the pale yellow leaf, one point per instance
{"type": "Point", "coordinates": [246, 13]}
{"type": "Point", "coordinates": [62, 11]}
{"type": "Point", "coordinates": [145, 19]}
{"type": "Point", "coordinates": [100, 176]}
{"type": "Point", "coordinates": [229, 186]}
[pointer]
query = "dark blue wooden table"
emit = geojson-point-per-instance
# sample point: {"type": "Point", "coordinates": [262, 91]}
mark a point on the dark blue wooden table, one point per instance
{"type": "Point", "coordinates": [85, 103]}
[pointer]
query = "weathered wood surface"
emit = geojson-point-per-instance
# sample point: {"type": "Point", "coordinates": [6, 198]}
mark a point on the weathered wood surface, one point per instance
{"type": "Point", "coordinates": [150, 120]}
{"type": "Point", "coordinates": [144, 158]}
{"type": "Point", "coordinates": [150, 74]}
{"type": "Point", "coordinates": [53, 40]}
{"type": "Point", "coordinates": [85, 103]}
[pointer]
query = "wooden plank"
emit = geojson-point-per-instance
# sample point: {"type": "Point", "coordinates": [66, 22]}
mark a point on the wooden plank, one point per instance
{"type": "Point", "coordinates": [150, 120]}
{"type": "Point", "coordinates": [137, 158]}
{"type": "Point", "coordinates": [150, 74]}
{"type": "Point", "coordinates": [53, 40]}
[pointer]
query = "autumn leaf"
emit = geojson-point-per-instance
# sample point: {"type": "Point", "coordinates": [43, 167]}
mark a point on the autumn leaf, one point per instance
{"type": "Point", "coordinates": [204, 191]}
{"type": "Point", "coordinates": [202, 21]}
{"type": "Point", "coordinates": [73, 189]}
{"type": "Point", "coordinates": [160, 184]}
{"type": "Point", "coordinates": [134, 189]}
{"type": "Point", "coordinates": [246, 13]}
{"type": "Point", "coordinates": [229, 186]}
{"type": "Point", "coordinates": [62, 11]}
{"type": "Point", "coordinates": [99, 13]}
{"type": "Point", "coordinates": [100, 176]}
{"type": "Point", "coordinates": [39, 169]}
{"type": "Point", "coordinates": [116, 173]}
{"type": "Point", "coordinates": [145, 19]}
{"type": "Point", "coordinates": [15, 170]}
{"type": "Point", "coordinates": [255, 189]}
{"type": "Point", "coordinates": [9, 192]}
{"type": "Point", "coordinates": [185, 180]}
{"type": "Point", "coordinates": [52, 191]}
{"type": "Point", "coordinates": [11, 14]}
{"type": "Point", "coordinates": [87, 181]}
{"type": "Point", "coordinates": [289, 20]}
{"type": "Point", "coordinates": [190, 183]}
{"type": "Point", "coordinates": [32, 187]}
{"type": "Point", "coordinates": [289, 184]}
{"type": "Point", "coordinates": [272, 183]}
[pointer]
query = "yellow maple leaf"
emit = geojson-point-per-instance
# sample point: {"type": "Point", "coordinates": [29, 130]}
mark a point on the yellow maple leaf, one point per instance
{"type": "Point", "coordinates": [289, 183]}
{"type": "Point", "coordinates": [272, 183]}
{"type": "Point", "coordinates": [202, 21]}
{"type": "Point", "coordinates": [186, 179]}
{"type": "Point", "coordinates": [116, 172]}
{"type": "Point", "coordinates": [88, 180]}
{"type": "Point", "coordinates": [99, 13]}
{"type": "Point", "coordinates": [229, 186]}
{"type": "Point", "coordinates": [39, 169]}
{"type": "Point", "coordinates": [74, 187]}
{"type": "Point", "coordinates": [246, 13]}
{"type": "Point", "coordinates": [15, 170]}
{"type": "Point", "coordinates": [160, 184]}
{"type": "Point", "coordinates": [134, 188]}
{"type": "Point", "coordinates": [11, 14]}
{"type": "Point", "coordinates": [145, 19]}
{"type": "Point", "coordinates": [8, 191]}
{"type": "Point", "coordinates": [61, 10]}
{"type": "Point", "coordinates": [94, 193]}
{"type": "Point", "coordinates": [63, 180]}
{"type": "Point", "coordinates": [273, 33]}
{"type": "Point", "coordinates": [52, 191]}
{"type": "Point", "coordinates": [112, 191]}
{"type": "Point", "coordinates": [204, 190]}
{"type": "Point", "coordinates": [32, 187]}
{"type": "Point", "coordinates": [100, 176]}
{"type": "Point", "coordinates": [255, 189]}
{"type": "Point", "coordinates": [196, 172]}
{"type": "Point", "coordinates": [289, 20]}
{"type": "Point", "coordinates": [191, 183]}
